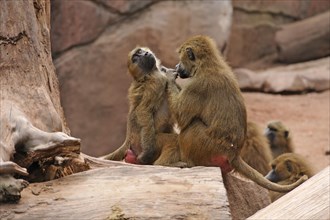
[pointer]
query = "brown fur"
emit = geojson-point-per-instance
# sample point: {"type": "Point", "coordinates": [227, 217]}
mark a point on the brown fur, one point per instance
{"type": "Point", "coordinates": [255, 150]}
{"type": "Point", "coordinates": [287, 169]}
{"type": "Point", "coordinates": [210, 112]}
{"type": "Point", "coordinates": [149, 123]}
{"type": "Point", "coordinates": [279, 137]}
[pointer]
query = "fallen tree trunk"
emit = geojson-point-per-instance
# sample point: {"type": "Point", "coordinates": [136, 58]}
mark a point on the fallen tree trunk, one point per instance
{"type": "Point", "coordinates": [304, 40]}
{"type": "Point", "coordinates": [116, 190]}
{"type": "Point", "coordinates": [311, 200]}
{"type": "Point", "coordinates": [126, 192]}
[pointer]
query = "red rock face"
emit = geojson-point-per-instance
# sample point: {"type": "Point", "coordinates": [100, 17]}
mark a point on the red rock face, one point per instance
{"type": "Point", "coordinates": [75, 23]}
{"type": "Point", "coordinates": [255, 23]}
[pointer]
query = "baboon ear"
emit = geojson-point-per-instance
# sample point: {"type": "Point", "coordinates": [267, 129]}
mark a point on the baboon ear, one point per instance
{"type": "Point", "coordinates": [288, 165]}
{"type": "Point", "coordinates": [190, 54]}
{"type": "Point", "coordinates": [286, 134]}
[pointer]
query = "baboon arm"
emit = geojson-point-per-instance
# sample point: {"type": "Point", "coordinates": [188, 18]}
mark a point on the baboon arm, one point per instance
{"type": "Point", "coordinates": [145, 118]}
{"type": "Point", "coordinates": [187, 107]}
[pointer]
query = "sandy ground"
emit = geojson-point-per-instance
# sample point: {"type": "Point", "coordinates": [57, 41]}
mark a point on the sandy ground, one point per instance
{"type": "Point", "coordinates": [307, 117]}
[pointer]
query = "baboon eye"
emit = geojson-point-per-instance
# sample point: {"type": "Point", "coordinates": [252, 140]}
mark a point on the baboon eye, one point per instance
{"type": "Point", "coordinates": [190, 54]}
{"type": "Point", "coordinates": [139, 51]}
{"type": "Point", "coordinates": [273, 166]}
{"type": "Point", "coordinates": [288, 166]}
{"type": "Point", "coordinates": [286, 134]}
{"type": "Point", "coordinates": [272, 129]}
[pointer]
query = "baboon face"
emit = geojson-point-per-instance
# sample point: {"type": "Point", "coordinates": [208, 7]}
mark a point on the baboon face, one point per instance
{"type": "Point", "coordinates": [144, 58]}
{"type": "Point", "coordinates": [280, 171]}
{"type": "Point", "coordinates": [286, 166]}
{"type": "Point", "coordinates": [278, 137]}
{"type": "Point", "coordinates": [272, 130]}
{"type": "Point", "coordinates": [186, 67]}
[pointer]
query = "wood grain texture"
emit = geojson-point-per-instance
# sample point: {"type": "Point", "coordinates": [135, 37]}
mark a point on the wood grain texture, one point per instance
{"type": "Point", "coordinates": [311, 200]}
{"type": "Point", "coordinates": [126, 192]}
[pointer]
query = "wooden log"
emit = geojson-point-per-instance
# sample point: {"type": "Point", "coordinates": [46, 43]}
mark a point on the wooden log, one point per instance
{"type": "Point", "coordinates": [304, 40]}
{"type": "Point", "coordinates": [311, 200]}
{"type": "Point", "coordinates": [126, 192]}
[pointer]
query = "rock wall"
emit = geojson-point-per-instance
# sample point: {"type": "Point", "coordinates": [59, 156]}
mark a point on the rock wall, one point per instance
{"type": "Point", "coordinates": [90, 43]}
{"type": "Point", "coordinates": [255, 23]}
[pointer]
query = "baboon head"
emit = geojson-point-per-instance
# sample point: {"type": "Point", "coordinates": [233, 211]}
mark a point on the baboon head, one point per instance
{"type": "Point", "coordinates": [141, 61]}
{"type": "Point", "coordinates": [279, 138]}
{"type": "Point", "coordinates": [288, 166]}
{"type": "Point", "coordinates": [194, 53]}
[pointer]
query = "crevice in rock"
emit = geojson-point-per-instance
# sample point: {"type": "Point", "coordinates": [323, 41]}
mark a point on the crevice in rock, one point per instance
{"type": "Point", "coordinates": [258, 12]}
{"type": "Point", "coordinates": [12, 40]}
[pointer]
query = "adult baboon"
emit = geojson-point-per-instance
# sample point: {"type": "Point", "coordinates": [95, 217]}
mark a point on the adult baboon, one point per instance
{"type": "Point", "coordinates": [149, 123]}
{"type": "Point", "coordinates": [211, 114]}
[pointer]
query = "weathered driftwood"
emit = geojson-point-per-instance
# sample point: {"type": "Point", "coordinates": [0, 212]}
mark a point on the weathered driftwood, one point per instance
{"type": "Point", "coordinates": [116, 190]}
{"type": "Point", "coordinates": [126, 192]}
{"type": "Point", "coordinates": [304, 40]}
{"type": "Point", "coordinates": [31, 117]}
{"type": "Point", "coordinates": [311, 200]}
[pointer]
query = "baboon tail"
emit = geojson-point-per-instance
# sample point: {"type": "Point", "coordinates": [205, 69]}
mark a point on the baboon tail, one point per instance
{"type": "Point", "coordinates": [242, 167]}
{"type": "Point", "coordinates": [118, 154]}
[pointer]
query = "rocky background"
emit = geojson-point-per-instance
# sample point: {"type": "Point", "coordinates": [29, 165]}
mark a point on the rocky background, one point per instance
{"type": "Point", "coordinates": [91, 40]}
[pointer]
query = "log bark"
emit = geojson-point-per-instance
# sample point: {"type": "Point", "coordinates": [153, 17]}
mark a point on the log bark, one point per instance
{"type": "Point", "coordinates": [304, 40]}
{"type": "Point", "coordinates": [126, 192]}
{"type": "Point", "coordinates": [116, 190]}
{"type": "Point", "coordinates": [311, 200]}
{"type": "Point", "coordinates": [245, 197]}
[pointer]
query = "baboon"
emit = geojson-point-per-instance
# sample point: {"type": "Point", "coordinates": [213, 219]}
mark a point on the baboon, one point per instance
{"type": "Point", "coordinates": [279, 138]}
{"type": "Point", "coordinates": [149, 123]}
{"type": "Point", "coordinates": [211, 113]}
{"type": "Point", "coordinates": [255, 150]}
{"type": "Point", "coordinates": [287, 169]}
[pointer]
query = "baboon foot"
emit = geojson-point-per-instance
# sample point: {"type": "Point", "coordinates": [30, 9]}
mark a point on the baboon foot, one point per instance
{"type": "Point", "coordinates": [10, 188]}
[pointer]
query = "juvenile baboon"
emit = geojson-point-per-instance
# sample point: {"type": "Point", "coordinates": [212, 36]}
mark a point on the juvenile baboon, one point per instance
{"type": "Point", "coordinates": [256, 151]}
{"type": "Point", "coordinates": [279, 138]}
{"type": "Point", "coordinates": [287, 169]}
{"type": "Point", "coordinates": [149, 122]}
{"type": "Point", "coordinates": [211, 114]}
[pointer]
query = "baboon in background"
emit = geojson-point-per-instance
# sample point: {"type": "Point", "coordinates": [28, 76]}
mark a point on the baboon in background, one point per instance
{"type": "Point", "coordinates": [149, 123]}
{"type": "Point", "coordinates": [211, 113]}
{"type": "Point", "coordinates": [279, 138]}
{"type": "Point", "coordinates": [287, 169]}
{"type": "Point", "coordinates": [256, 151]}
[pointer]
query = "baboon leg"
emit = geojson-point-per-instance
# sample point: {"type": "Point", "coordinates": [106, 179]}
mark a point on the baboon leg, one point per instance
{"type": "Point", "coordinates": [170, 151]}
{"type": "Point", "coordinates": [195, 139]}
